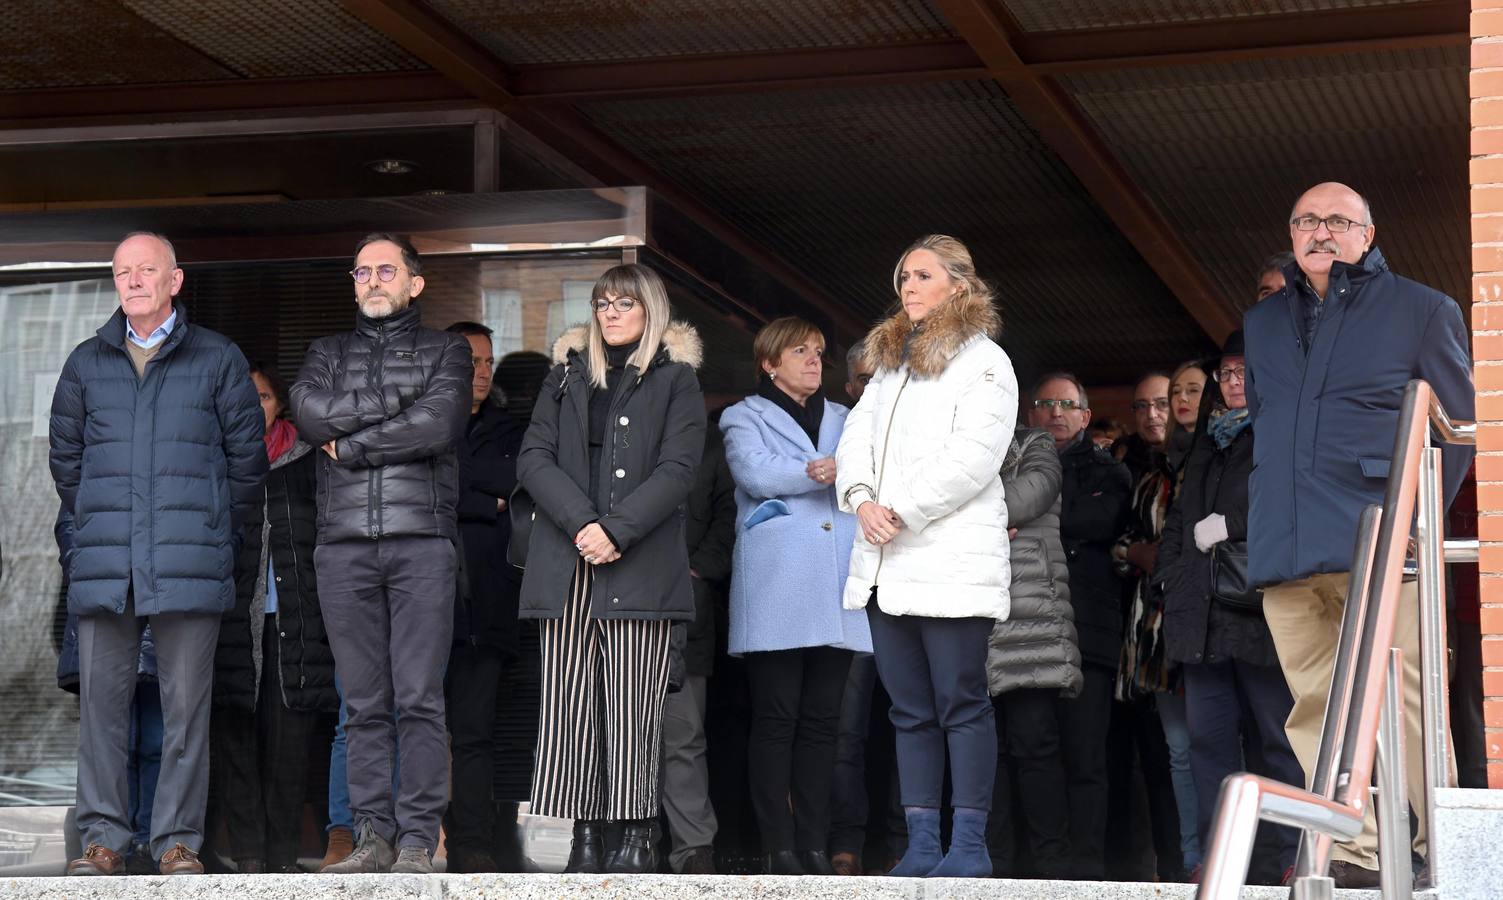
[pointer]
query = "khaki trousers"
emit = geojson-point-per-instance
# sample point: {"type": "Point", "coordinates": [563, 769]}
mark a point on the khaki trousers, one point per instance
{"type": "Point", "coordinates": [1305, 618]}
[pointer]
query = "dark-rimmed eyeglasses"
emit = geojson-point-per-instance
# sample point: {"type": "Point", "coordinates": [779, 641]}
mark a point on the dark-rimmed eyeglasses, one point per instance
{"type": "Point", "coordinates": [1061, 404]}
{"type": "Point", "coordinates": [1227, 374]}
{"type": "Point", "coordinates": [1159, 403]}
{"type": "Point", "coordinates": [386, 272]}
{"type": "Point", "coordinates": [1334, 224]}
{"type": "Point", "coordinates": [622, 304]}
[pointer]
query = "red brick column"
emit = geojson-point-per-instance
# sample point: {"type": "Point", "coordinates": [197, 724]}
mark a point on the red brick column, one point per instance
{"type": "Point", "coordinates": [1487, 349]}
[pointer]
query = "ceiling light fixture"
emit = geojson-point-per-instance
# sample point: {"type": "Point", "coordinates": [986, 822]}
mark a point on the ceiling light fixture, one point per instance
{"type": "Point", "coordinates": [391, 166]}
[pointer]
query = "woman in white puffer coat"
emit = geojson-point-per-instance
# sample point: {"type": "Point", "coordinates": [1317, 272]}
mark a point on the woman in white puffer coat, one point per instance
{"type": "Point", "coordinates": [919, 465]}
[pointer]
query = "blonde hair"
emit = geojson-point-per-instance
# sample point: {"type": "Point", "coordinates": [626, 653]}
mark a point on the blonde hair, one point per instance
{"type": "Point", "coordinates": [643, 285]}
{"type": "Point", "coordinates": [780, 334]}
{"type": "Point", "coordinates": [956, 259]}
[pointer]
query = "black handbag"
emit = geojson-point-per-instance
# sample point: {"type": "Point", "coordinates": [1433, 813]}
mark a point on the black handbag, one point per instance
{"type": "Point", "coordinates": [523, 511]}
{"type": "Point", "coordinates": [1229, 584]}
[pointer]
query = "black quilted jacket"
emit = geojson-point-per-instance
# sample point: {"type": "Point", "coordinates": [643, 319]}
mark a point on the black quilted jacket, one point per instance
{"type": "Point", "coordinates": [395, 397]}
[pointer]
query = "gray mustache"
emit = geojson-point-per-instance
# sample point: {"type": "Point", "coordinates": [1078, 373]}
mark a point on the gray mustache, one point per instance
{"type": "Point", "coordinates": [1322, 246]}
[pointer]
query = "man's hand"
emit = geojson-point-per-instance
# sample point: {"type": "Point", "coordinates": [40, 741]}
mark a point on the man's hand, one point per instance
{"type": "Point", "coordinates": [822, 470]}
{"type": "Point", "coordinates": [594, 546]}
{"type": "Point", "coordinates": [878, 523]}
{"type": "Point", "coordinates": [330, 449]}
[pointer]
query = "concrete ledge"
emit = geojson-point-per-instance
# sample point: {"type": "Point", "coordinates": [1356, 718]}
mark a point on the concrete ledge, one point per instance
{"type": "Point", "coordinates": [1468, 826]}
{"type": "Point", "coordinates": [597, 887]}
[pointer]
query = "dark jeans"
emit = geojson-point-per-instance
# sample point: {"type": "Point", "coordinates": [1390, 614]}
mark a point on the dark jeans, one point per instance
{"type": "Point", "coordinates": [1217, 698]}
{"type": "Point", "coordinates": [470, 689]}
{"type": "Point", "coordinates": [388, 606]}
{"type": "Point", "coordinates": [935, 671]}
{"type": "Point", "coordinates": [795, 698]}
{"type": "Point", "coordinates": [260, 768]}
{"type": "Point", "coordinates": [1083, 723]}
{"type": "Point", "coordinates": [861, 776]}
{"type": "Point", "coordinates": [1029, 737]}
{"type": "Point", "coordinates": [146, 756]}
{"type": "Point", "coordinates": [1136, 732]}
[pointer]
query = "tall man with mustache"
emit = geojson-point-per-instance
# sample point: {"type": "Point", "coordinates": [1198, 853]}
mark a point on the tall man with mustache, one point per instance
{"type": "Point", "coordinates": [1328, 357]}
{"type": "Point", "coordinates": [388, 403]}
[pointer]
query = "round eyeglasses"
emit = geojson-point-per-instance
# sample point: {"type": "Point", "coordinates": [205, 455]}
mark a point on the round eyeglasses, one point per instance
{"type": "Point", "coordinates": [386, 272]}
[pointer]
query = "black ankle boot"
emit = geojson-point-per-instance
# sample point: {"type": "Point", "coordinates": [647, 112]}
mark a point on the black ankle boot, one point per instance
{"type": "Point", "coordinates": [784, 862]}
{"type": "Point", "coordinates": [587, 854]}
{"type": "Point", "coordinates": [637, 855]}
{"type": "Point", "coordinates": [815, 862]}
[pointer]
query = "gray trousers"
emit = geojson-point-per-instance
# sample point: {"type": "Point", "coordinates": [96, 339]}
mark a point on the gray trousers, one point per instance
{"type": "Point", "coordinates": [108, 648]}
{"type": "Point", "coordinates": [685, 775]}
{"type": "Point", "coordinates": [388, 607]}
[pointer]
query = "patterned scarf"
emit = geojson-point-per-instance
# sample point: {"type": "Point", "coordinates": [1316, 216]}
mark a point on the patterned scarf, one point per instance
{"type": "Point", "coordinates": [1226, 424]}
{"type": "Point", "coordinates": [279, 438]}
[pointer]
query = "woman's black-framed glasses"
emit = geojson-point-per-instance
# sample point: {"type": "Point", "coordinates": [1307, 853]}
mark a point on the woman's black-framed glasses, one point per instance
{"type": "Point", "coordinates": [386, 272]}
{"type": "Point", "coordinates": [622, 304]}
{"type": "Point", "coordinates": [1227, 374]}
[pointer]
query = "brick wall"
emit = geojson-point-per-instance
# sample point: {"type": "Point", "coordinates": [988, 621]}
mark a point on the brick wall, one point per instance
{"type": "Point", "coordinates": [1487, 349]}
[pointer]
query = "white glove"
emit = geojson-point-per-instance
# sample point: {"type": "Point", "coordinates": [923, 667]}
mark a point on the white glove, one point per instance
{"type": "Point", "coordinates": [1210, 531]}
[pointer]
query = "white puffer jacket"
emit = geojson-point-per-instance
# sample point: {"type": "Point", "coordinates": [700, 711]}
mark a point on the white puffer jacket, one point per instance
{"type": "Point", "coordinates": [928, 440]}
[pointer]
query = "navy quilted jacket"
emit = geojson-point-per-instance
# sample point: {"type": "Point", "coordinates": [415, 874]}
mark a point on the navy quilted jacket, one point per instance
{"type": "Point", "coordinates": [159, 472]}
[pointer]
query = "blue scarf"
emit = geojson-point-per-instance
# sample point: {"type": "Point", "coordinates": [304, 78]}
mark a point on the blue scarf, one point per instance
{"type": "Point", "coordinates": [1226, 424]}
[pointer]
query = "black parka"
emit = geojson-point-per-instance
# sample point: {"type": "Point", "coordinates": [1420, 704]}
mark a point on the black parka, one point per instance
{"type": "Point", "coordinates": [710, 532]}
{"type": "Point", "coordinates": [487, 612]}
{"type": "Point", "coordinates": [394, 397]}
{"type": "Point", "coordinates": [1096, 501]}
{"type": "Point", "coordinates": [283, 529]}
{"type": "Point", "coordinates": [654, 441]}
{"type": "Point", "coordinates": [1196, 628]}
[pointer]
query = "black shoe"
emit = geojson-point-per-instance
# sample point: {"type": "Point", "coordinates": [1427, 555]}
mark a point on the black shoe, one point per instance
{"type": "Point", "coordinates": [815, 862]}
{"type": "Point", "coordinates": [637, 855]}
{"type": "Point", "coordinates": [699, 861]}
{"type": "Point", "coordinates": [784, 862]}
{"type": "Point", "coordinates": [587, 854]}
{"type": "Point", "coordinates": [471, 861]}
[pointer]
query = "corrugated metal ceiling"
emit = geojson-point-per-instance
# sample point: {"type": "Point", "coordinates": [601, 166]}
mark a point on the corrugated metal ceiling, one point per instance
{"type": "Point", "coordinates": [559, 31]}
{"type": "Point", "coordinates": [840, 181]}
{"type": "Point", "coordinates": [1224, 150]}
{"type": "Point", "coordinates": [1071, 15]}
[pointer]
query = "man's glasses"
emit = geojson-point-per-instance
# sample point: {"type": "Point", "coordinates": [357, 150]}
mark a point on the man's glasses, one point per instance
{"type": "Point", "coordinates": [1052, 404]}
{"type": "Point", "coordinates": [622, 304]}
{"type": "Point", "coordinates": [386, 272]}
{"type": "Point", "coordinates": [1159, 403]}
{"type": "Point", "coordinates": [1334, 224]}
{"type": "Point", "coordinates": [1225, 375]}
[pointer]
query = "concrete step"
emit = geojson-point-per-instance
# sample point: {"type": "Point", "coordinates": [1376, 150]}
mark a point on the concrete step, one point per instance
{"type": "Point", "coordinates": [599, 887]}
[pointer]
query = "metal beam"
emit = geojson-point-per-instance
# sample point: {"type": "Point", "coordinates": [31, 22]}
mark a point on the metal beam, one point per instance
{"type": "Point", "coordinates": [428, 36]}
{"type": "Point", "coordinates": [1415, 25]}
{"type": "Point", "coordinates": [826, 67]}
{"type": "Point", "coordinates": [1061, 124]}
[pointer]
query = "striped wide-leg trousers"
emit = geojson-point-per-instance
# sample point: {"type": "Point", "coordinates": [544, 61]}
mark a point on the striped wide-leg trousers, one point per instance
{"type": "Point", "coordinates": [600, 721]}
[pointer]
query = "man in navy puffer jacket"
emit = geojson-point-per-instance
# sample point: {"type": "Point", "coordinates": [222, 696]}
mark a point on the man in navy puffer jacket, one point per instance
{"type": "Point", "coordinates": [156, 451]}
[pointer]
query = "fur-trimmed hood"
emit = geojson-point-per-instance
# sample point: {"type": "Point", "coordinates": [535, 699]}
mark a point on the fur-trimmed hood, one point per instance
{"type": "Point", "coordinates": [681, 344]}
{"type": "Point", "coordinates": [946, 331]}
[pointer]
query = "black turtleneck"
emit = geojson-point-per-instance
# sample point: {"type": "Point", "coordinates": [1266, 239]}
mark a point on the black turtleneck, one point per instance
{"type": "Point", "coordinates": [600, 398]}
{"type": "Point", "coordinates": [807, 416]}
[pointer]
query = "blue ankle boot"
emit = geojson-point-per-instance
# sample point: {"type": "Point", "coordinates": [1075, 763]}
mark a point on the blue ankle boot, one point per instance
{"type": "Point", "coordinates": [968, 856]}
{"type": "Point", "coordinates": [923, 843]}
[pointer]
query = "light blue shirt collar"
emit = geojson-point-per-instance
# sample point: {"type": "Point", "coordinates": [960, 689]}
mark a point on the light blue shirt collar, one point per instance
{"type": "Point", "coordinates": [156, 337]}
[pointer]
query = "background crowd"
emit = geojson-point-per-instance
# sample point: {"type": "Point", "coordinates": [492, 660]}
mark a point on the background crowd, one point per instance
{"type": "Point", "coordinates": [952, 628]}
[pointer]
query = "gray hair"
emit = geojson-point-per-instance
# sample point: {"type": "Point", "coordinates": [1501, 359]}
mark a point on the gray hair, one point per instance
{"type": "Point", "coordinates": [1061, 376]}
{"type": "Point", "coordinates": [171, 251]}
{"type": "Point", "coordinates": [1275, 263]}
{"type": "Point", "coordinates": [853, 356]}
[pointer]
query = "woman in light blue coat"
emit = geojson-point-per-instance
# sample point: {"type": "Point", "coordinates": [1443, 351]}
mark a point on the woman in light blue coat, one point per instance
{"type": "Point", "coordinates": [792, 550]}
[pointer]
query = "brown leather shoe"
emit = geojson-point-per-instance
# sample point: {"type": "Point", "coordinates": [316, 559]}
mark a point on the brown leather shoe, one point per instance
{"type": "Point", "coordinates": [1350, 875]}
{"type": "Point", "coordinates": [97, 860]}
{"type": "Point", "coordinates": [846, 863]}
{"type": "Point", "coordinates": [341, 845]}
{"type": "Point", "coordinates": [180, 861]}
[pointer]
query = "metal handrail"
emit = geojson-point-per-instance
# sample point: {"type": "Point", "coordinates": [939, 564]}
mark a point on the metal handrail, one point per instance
{"type": "Point", "coordinates": [1366, 685]}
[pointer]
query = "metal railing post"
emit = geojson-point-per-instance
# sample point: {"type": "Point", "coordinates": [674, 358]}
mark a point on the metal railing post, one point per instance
{"type": "Point", "coordinates": [1395, 876]}
{"type": "Point", "coordinates": [1434, 674]}
{"type": "Point", "coordinates": [1315, 846]}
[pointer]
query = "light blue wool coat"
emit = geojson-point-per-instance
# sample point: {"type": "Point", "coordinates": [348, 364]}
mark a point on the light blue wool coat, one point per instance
{"type": "Point", "coordinates": [790, 563]}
